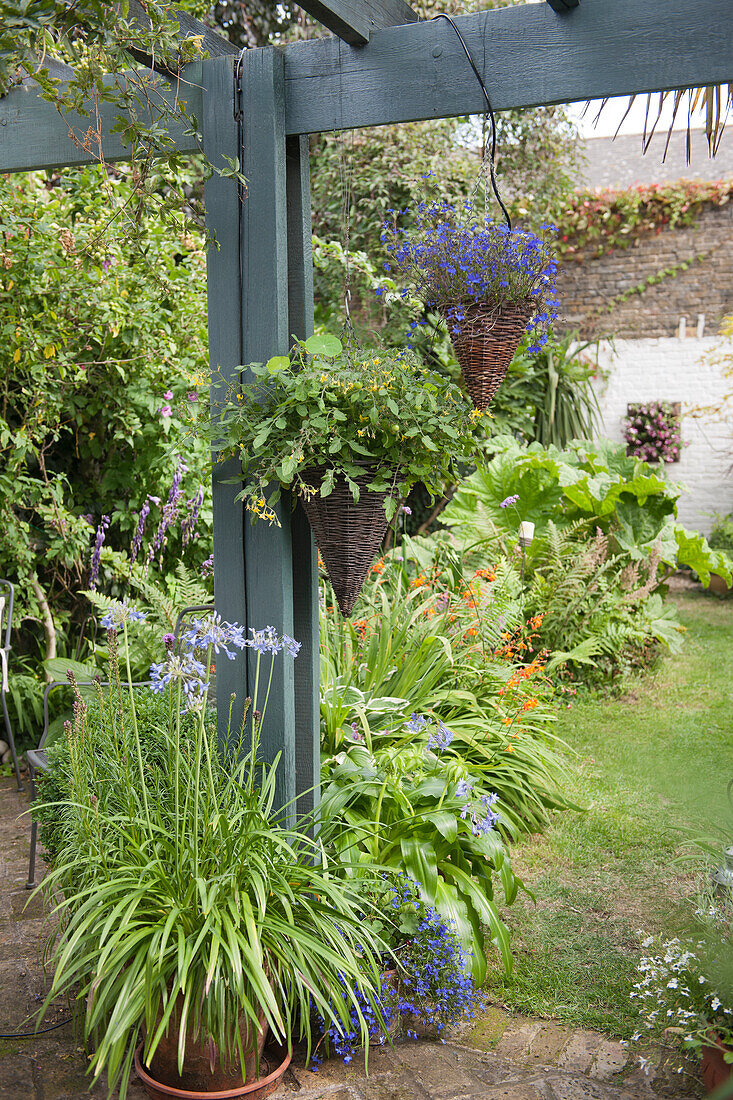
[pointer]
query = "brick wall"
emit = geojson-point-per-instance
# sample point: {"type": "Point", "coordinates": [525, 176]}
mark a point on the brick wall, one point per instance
{"type": "Point", "coordinates": [688, 371]}
{"type": "Point", "coordinates": [586, 287]}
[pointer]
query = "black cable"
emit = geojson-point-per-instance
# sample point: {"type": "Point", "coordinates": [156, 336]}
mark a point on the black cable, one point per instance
{"type": "Point", "coordinates": [32, 1034]}
{"type": "Point", "coordinates": [472, 63]}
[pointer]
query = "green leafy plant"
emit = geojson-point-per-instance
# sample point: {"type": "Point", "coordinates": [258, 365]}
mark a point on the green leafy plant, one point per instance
{"type": "Point", "coordinates": [186, 907]}
{"type": "Point", "coordinates": [721, 536]}
{"type": "Point", "coordinates": [428, 637]}
{"type": "Point", "coordinates": [405, 808]}
{"type": "Point", "coordinates": [622, 496]}
{"type": "Point", "coordinates": [600, 221]}
{"type": "Point", "coordinates": [335, 411]}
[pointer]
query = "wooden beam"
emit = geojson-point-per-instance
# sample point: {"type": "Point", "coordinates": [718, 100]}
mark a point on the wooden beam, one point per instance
{"type": "Point", "coordinates": [561, 6]}
{"type": "Point", "coordinates": [264, 264]}
{"type": "Point", "coordinates": [354, 20]}
{"type": "Point", "coordinates": [223, 279]}
{"type": "Point", "coordinates": [527, 56]}
{"type": "Point", "coordinates": [34, 134]}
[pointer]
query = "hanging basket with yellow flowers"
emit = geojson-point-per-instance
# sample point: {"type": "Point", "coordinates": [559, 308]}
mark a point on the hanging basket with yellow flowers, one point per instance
{"type": "Point", "coordinates": [348, 431]}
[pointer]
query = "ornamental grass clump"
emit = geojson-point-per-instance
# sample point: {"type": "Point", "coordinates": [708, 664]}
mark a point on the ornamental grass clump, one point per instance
{"type": "Point", "coordinates": [190, 917]}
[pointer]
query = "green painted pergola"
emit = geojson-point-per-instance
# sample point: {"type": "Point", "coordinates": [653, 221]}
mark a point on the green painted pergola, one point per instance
{"type": "Point", "coordinates": [382, 66]}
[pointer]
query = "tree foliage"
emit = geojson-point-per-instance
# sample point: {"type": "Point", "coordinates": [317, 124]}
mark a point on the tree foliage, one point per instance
{"type": "Point", "coordinates": [102, 355]}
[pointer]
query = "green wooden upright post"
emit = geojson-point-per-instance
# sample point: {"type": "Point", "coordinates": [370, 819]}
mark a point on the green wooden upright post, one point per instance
{"type": "Point", "coordinates": [264, 244]}
{"type": "Point", "coordinates": [225, 356]}
{"type": "Point", "coordinates": [260, 293]}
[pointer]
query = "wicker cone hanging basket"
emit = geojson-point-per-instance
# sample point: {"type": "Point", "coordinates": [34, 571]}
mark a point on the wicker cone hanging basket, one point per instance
{"type": "Point", "coordinates": [486, 343]}
{"type": "Point", "coordinates": [349, 533]}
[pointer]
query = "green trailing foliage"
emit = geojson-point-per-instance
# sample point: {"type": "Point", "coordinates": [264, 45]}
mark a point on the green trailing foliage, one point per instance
{"type": "Point", "coordinates": [328, 411]}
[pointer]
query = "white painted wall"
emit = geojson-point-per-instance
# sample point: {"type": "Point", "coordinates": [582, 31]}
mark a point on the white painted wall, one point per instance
{"type": "Point", "coordinates": [687, 370]}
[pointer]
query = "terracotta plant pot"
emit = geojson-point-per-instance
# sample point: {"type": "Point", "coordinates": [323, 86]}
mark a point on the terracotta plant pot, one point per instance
{"type": "Point", "coordinates": [273, 1065]}
{"type": "Point", "coordinates": [487, 340]}
{"type": "Point", "coordinates": [202, 1068]}
{"type": "Point", "coordinates": [715, 1070]}
{"type": "Point", "coordinates": [349, 533]}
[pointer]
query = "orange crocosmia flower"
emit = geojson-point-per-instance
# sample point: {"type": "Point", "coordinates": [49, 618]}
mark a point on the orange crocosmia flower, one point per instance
{"type": "Point", "coordinates": [321, 563]}
{"type": "Point", "coordinates": [378, 566]}
{"type": "Point", "coordinates": [536, 621]}
{"type": "Point", "coordinates": [485, 574]}
{"type": "Point", "coordinates": [419, 582]}
{"type": "Point", "coordinates": [509, 748]}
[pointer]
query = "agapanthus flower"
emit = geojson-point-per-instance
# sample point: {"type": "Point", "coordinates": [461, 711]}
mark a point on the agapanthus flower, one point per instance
{"type": "Point", "coordinates": [181, 669]}
{"type": "Point", "coordinates": [269, 641]}
{"type": "Point", "coordinates": [120, 613]}
{"type": "Point", "coordinates": [216, 633]}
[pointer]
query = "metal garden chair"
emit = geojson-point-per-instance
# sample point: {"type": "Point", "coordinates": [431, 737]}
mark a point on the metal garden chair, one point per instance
{"type": "Point", "coordinates": [38, 758]}
{"type": "Point", "coordinates": [7, 598]}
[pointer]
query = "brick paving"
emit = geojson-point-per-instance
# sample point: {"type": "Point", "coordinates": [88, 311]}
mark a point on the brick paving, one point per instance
{"type": "Point", "coordinates": [499, 1058]}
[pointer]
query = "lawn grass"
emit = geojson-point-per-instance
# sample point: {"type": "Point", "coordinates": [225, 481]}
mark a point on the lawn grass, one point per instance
{"type": "Point", "coordinates": [644, 766]}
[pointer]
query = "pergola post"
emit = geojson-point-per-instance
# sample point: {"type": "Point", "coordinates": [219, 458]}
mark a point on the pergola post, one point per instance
{"type": "Point", "coordinates": [260, 292]}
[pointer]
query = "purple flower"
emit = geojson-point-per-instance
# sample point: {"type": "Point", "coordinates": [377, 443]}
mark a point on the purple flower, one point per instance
{"type": "Point", "coordinates": [442, 737]}
{"type": "Point", "coordinates": [193, 396]}
{"type": "Point", "coordinates": [168, 395]}
{"type": "Point", "coordinates": [507, 501]}
{"type": "Point", "coordinates": [416, 723]}
{"type": "Point", "coordinates": [169, 641]}
{"type": "Point", "coordinates": [214, 632]}
{"type": "Point", "coordinates": [138, 537]}
{"type": "Point", "coordinates": [185, 669]}
{"type": "Point", "coordinates": [169, 513]}
{"type": "Point", "coordinates": [188, 526]}
{"type": "Point", "coordinates": [165, 411]}
{"type": "Point", "coordinates": [97, 552]}
{"type": "Point", "coordinates": [120, 613]}
{"type": "Point", "coordinates": [207, 567]}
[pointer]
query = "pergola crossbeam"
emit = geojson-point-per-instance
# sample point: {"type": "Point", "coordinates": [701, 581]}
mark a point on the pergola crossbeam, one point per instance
{"type": "Point", "coordinates": [527, 55]}
{"type": "Point", "coordinates": [355, 20]}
